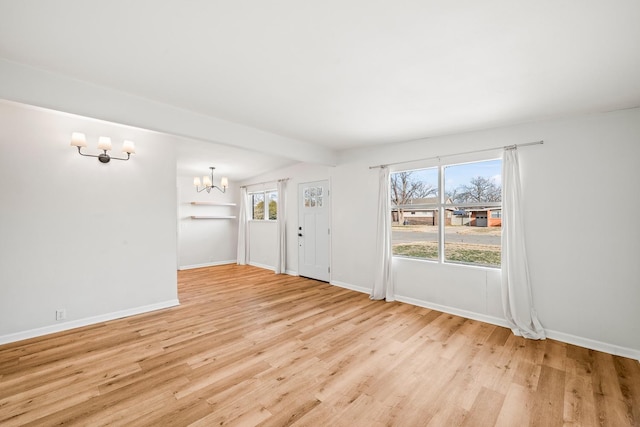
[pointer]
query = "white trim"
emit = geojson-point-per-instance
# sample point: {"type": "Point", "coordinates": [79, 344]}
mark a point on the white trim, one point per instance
{"type": "Point", "coordinates": [213, 217]}
{"type": "Point", "coordinates": [265, 266]}
{"type": "Point", "coordinates": [555, 335]}
{"type": "Point", "coordinates": [213, 203]}
{"type": "Point", "coordinates": [292, 273]}
{"type": "Point", "coordinates": [351, 287]}
{"type": "Point", "coordinates": [456, 311]}
{"type": "Point", "coordinates": [32, 333]}
{"type": "Point", "coordinates": [594, 345]}
{"type": "Point", "coordinates": [207, 264]}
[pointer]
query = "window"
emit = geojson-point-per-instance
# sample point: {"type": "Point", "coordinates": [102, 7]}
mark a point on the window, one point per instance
{"type": "Point", "coordinates": [449, 213]}
{"type": "Point", "coordinates": [258, 205]}
{"type": "Point", "coordinates": [414, 213]}
{"type": "Point", "coordinates": [272, 197]}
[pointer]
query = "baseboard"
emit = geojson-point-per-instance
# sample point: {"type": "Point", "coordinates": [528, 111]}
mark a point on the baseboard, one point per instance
{"type": "Point", "coordinates": [455, 311]}
{"type": "Point", "coordinates": [351, 287]}
{"type": "Point", "coordinates": [32, 333]}
{"type": "Point", "coordinates": [265, 266]}
{"type": "Point", "coordinates": [594, 345]}
{"type": "Point", "coordinates": [208, 264]}
{"type": "Point", "coordinates": [272, 268]}
{"type": "Point", "coordinates": [554, 335]}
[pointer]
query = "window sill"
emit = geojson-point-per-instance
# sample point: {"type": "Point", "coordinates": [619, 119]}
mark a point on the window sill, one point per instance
{"type": "Point", "coordinates": [449, 263]}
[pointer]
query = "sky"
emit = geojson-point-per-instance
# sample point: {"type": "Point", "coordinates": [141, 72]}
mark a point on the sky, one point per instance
{"type": "Point", "coordinates": [462, 174]}
{"type": "Point", "coordinates": [456, 175]}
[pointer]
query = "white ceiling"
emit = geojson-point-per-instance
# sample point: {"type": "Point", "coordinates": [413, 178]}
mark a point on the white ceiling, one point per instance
{"type": "Point", "coordinates": [348, 73]}
{"type": "Point", "coordinates": [195, 157]}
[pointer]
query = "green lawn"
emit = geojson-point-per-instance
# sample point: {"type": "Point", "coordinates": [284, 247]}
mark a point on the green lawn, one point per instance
{"type": "Point", "coordinates": [460, 252]}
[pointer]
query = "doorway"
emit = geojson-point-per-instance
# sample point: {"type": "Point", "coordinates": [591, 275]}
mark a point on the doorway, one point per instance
{"type": "Point", "coordinates": [314, 232]}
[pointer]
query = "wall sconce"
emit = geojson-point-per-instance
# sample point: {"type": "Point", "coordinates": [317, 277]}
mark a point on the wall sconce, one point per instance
{"type": "Point", "coordinates": [207, 183]}
{"type": "Point", "coordinates": [104, 143]}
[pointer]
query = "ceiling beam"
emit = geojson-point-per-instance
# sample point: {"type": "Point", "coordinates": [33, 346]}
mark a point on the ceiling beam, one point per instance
{"type": "Point", "coordinates": [41, 88]}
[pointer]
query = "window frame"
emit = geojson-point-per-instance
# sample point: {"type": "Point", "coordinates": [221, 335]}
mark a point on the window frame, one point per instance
{"type": "Point", "coordinates": [266, 200]}
{"type": "Point", "coordinates": [441, 207]}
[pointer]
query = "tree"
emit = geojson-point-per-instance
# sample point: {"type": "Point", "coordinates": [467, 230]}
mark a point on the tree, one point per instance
{"type": "Point", "coordinates": [258, 210]}
{"type": "Point", "coordinates": [405, 187]}
{"type": "Point", "coordinates": [480, 189]}
{"type": "Point", "coordinates": [273, 209]}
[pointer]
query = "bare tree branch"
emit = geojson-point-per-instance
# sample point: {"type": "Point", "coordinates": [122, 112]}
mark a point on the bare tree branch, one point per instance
{"type": "Point", "coordinates": [480, 189]}
{"type": "Point", "coordinates": [404, 187]}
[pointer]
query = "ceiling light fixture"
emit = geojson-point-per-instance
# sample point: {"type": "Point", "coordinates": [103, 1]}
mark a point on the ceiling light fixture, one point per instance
{"type": "Point", "coordinates": [104, 143]}
{"type": "Point", "coordinates": [207, 183]}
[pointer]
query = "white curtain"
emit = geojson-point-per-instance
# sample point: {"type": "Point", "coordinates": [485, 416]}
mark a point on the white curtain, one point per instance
{"type": "Point", "coordinates": [281, 261]}
{"type": "Point", "coordinates": [516, 287]}
{"type": "Point", "coordinates": [243, 225]}
{"type": "Point", "coordinates": [383, 285]}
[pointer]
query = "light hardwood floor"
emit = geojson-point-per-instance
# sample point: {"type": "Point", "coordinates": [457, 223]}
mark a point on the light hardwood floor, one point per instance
{"type": "Point", "coordinates": [247, 347]}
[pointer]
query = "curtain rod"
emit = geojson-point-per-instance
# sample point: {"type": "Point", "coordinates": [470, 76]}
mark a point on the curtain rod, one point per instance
{"type": "Point", "coordinates": [506, 147]}
{"type": "Point", "coordinates": [264, 182]}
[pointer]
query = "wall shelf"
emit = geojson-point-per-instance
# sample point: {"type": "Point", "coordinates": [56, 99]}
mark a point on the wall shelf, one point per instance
{"type": "Point", "coordinates": [213, 216]}
{"type": "Point", "coordinates": [213, 203]}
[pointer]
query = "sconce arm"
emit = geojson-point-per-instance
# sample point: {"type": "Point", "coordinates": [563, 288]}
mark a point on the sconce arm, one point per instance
{"type": "Point", "coordinates": [103, 157]}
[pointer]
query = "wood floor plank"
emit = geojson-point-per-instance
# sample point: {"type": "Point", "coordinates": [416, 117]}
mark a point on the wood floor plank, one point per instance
{"type": "Point", "coordinates": [485, 410]}
{"type": "Point", "coordinates": [248, 347]}
{"type": "Point", "coordinates": [611, 405]}
{"type": "Point", "coordinates": [548, 405]}
{"type": "Point", "coordinates": [516, 408]}
{"type": "Point", "coordinates": [579, 403]}
{"type": "Point", "coordinates": [628, 371]}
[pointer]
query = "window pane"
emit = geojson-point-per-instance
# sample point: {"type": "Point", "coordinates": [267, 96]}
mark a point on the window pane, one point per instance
{"type": "Point", "coordinates": [272, 197]}
{"type": "Point", "coordinates": [416, 235]}
{"type": "Point", "coordinates": [473, 224]}
{"type": "Point", "coordinates": [414, 187]}
{"type": "Point", "coordinates": [414, 215]}
{"type": "Point", "coordinates": [258, 205]}
{"type": "Point", "coordinates": [471, 236]}
{"type": "Point", "coordinates": [477, 182]}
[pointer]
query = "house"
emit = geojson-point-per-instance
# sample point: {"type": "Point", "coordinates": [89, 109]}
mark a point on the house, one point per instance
{"type": "Point", "coordinates": [313, 96]}
{"type": "Point", "coordinates": [423, 215]}
{"type": "Point", "coordinates": [477, 217]}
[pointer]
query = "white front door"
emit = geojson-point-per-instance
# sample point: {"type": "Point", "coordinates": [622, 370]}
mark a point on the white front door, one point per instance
{"type": "Point", "coordinates": [314, 205]}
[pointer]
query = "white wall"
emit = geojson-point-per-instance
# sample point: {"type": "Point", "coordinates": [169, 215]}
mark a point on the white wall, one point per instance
{"type": "Point", "coordinates": [205, 242]}
{"type": "Point", "coordinates": [262, 244]}
{"type": "Point", "coordinates": [98, 240]}
{"type": "Point", "coordinates": [581, 201]}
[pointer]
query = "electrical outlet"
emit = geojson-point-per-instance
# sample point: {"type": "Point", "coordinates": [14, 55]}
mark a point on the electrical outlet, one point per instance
{"type": "Point", "coordinates": [61, 314]}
